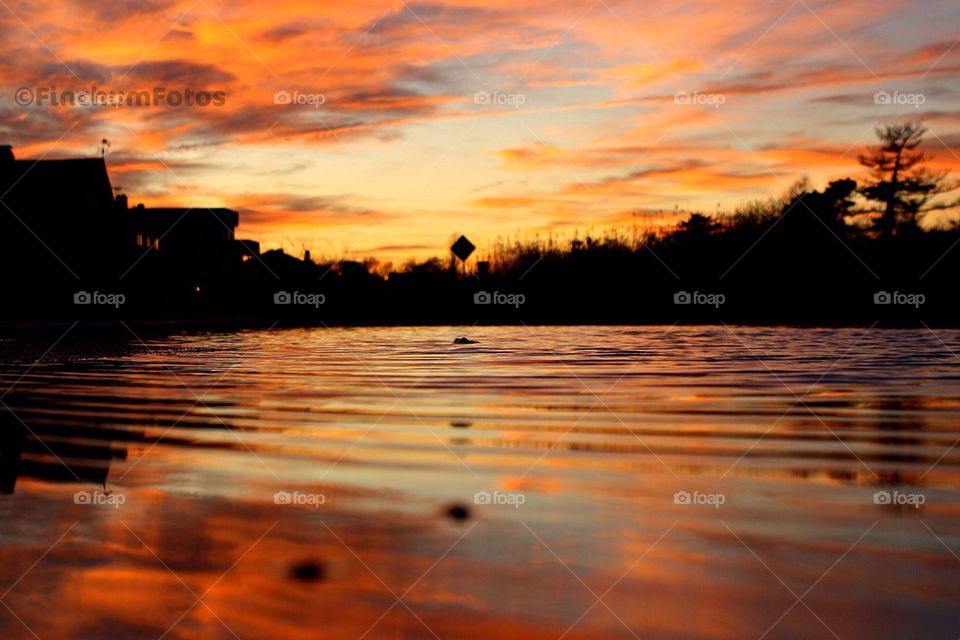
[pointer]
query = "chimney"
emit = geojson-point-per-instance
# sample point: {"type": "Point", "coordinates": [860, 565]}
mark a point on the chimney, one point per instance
{"type": "Point", "coordinates": [306, 255]}
{"type": "Point", "coordinates": [122, 203]}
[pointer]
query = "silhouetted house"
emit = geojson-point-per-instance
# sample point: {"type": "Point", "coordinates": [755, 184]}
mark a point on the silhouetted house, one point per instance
{"type": "Point", "coordinates": [284, 266]}
{"type": "Point", "coordinates": [184, 231]}
{"type": "Point", "coordinates": [56, 216]}
{"type": "Point", "coordinates": [56, 188]}
{"type": "Point", "coordinates": [248, 249]}
{"type": "Point", "coordinates": [63, 213]}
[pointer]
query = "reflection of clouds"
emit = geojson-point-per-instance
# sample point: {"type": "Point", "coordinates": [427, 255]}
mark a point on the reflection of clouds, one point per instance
{"type": "Point", "coordinates": [123, 590]}
{"type": "Point", "coordinates": [313, 406]}
{"type": "Point", "coordinates": [499, 582]}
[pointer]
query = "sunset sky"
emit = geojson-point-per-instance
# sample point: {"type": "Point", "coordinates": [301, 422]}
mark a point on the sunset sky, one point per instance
{"type": "Point", "coordinates": [578, 124]}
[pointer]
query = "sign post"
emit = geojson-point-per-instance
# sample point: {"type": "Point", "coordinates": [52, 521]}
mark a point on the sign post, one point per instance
{"type": "Point", "coordinates": [463, 248]}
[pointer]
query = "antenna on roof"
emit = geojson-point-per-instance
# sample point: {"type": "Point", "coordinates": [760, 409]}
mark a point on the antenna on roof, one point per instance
{"type": "Point", "coordinates": [104, 145]}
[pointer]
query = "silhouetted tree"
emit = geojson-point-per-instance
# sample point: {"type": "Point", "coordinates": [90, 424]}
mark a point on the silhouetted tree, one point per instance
{"type": "Point", "coordinates": [831, 206]}
{"type": "Point", "coordinates": [897, 179]}
{"type": "Point", "coordinates": [698, 225]}
{"type": "Point", "coordinates": [431, 265]}
{"type": "Point", "coordinates": [838, 197]}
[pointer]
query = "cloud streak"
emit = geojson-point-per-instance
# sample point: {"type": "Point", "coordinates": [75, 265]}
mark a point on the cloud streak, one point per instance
{"type": "Point", "coordinates": [394, 125]}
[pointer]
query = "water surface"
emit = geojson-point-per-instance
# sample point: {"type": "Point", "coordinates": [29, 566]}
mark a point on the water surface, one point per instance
{"type": "Point", "coordinates": [656, 482]}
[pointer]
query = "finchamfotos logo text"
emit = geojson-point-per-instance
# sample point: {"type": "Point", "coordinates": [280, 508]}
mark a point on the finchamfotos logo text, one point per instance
{"type": "Point", "coordinates": [97, 97]}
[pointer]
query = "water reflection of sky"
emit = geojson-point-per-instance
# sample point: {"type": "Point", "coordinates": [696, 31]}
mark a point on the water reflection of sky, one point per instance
{"type": "Point", "coordinates": [392, 427]}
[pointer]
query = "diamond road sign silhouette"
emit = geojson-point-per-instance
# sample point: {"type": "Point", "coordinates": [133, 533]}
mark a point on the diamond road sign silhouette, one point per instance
{"type": "Point", "coordinates": [462, 248]}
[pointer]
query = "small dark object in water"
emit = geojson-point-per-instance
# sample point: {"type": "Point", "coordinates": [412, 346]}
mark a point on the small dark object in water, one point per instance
{"type": "Point", "coordinates": [308, 571]}
{"type": "Point", "coordinates": [458, 512]}
{"type": "Point", "coordinates": [464, 340]}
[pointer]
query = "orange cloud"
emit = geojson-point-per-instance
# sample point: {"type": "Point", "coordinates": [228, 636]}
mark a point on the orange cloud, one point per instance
{"type": "Point", "coordinates": [390, 120]}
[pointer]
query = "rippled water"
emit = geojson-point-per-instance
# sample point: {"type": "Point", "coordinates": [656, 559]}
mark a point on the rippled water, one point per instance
{"type": "Point", "coordinates": [659, 482]}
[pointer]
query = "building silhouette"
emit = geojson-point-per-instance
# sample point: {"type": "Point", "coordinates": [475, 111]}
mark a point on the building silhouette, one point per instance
{"type": "Point", "coordinates": [62, 227]}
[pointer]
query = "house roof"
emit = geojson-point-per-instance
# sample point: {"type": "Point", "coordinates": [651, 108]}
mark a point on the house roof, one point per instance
{"type": "Point", "coordinates": [79, 187]}
{"type": "Point", "coordinates": [56, 186]}
{"type": "Point", "coordinates": [171, 215]}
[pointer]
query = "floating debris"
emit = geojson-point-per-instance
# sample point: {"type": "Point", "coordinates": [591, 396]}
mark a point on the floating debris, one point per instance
{"type": "Point", "coordinates": [458, 512]}
{"type": "Point", "coordinates": [308, 571]}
